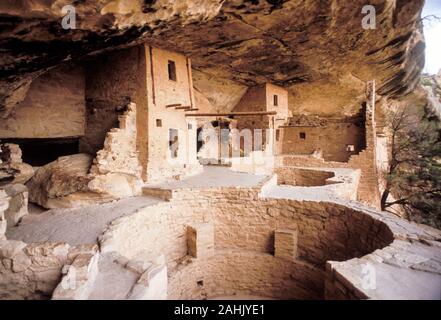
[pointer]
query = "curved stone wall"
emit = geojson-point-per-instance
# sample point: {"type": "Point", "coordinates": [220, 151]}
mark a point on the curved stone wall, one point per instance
{"type": "Point", "coordinates": [243, 261]}
{"type": "Point", "coordinates": [245, 273]}
{"type": "Point", "coordinates": [303, 177]}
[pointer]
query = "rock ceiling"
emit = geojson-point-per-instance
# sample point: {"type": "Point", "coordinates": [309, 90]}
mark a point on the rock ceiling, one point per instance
{"type": "Point", "coordinates": [316, 48]}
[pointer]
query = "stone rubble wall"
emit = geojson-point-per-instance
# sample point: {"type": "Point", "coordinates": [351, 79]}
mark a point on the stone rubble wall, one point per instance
{"type": "Point", "coordinates": [116, 168]}
{"type": "Point", "coordinates": [13, 174]}
{"type": "Point", "coordinates": [4, 203]}
{"type": "Point", "coordinates": [78, 180]}
{"type": "Point", "coordinates": [78, 278]}
{"type": "Point", "coordinates": [119, 154]}
{"type": "Point", "coordinates": [33, 271]}
{"type": "Point", "coordinates": [80, 282]}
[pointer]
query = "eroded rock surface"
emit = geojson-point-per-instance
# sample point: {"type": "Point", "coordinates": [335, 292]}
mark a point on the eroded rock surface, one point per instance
{"type": "Point", "coordinates": [316, 48]}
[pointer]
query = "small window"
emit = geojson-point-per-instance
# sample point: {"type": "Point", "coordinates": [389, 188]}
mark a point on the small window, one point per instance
{"type": "Point", "coordinates": [158, 122]}
{"type": "Point", "coordinates": [277, 134]}
{"type": "Point", "coordinates": [276, 100]}
{"type": "Point", "coordinates": [302, 135]}
{"type": "Point", "coordinates": [173, 142]}
{"type": "Point", "coordinates": [190, 126]}
{"type": "Point", "coordinates": [171, 70]}
{"type": "Point", "coordinates": [350, 148]}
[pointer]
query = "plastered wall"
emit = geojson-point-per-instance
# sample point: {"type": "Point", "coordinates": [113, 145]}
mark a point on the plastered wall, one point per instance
{"type": "Point", "coordinates": [163, 92]}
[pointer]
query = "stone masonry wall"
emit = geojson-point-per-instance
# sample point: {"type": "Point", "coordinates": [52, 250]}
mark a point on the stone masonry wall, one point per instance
{"type": "Point", "coordinates": [245, 273]}
{"type": "Point", "coordinates": [368, 191]}
{"type": "Point", "coordinates": [112, 82]}
{"type": "Point", "coordinates": [244, 230]}
{"type": "Point", "coordinates": [116, 169]}
{"type": "Point", "coordinates": [331, 139]}
{"type": "Point", "coordinates": [302, 177]}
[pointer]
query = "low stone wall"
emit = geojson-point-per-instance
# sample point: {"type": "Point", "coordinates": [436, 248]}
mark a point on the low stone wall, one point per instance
{"type": "Point", "coordinates": [302, 177]}
{"type": "Point", "coordinates": [368, 192]}
{"type": "Point", "coordinates": [33, 271]}
{"type": "Point", "coordinates": [153, 231]}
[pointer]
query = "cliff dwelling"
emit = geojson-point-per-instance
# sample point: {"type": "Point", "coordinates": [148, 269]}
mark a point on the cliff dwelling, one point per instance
{"type": "Point", "coordinates": [212, 150]}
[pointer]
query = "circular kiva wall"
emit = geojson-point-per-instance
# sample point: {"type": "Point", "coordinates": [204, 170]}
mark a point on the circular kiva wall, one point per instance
{"type": "Point", "coordinates": [304, 177]}
{"type": "Point", "coordinates": [230, 242]}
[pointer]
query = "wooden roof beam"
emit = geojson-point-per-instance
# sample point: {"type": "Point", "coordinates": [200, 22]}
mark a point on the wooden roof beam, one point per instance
{"type": "Point", "coordinates": [173, 105]}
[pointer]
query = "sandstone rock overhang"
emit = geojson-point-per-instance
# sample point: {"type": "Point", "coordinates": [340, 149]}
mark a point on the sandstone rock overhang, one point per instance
{"type": "Point", "coordinates": [302, 45]}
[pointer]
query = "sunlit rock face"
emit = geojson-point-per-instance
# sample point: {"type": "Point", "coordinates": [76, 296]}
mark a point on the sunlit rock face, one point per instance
{"type": "Point", "coordinates": [316, 48]}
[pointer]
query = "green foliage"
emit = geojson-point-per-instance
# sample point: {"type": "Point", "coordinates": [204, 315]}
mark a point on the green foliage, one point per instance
{"type": "Point", "coordinates": [414, 175]}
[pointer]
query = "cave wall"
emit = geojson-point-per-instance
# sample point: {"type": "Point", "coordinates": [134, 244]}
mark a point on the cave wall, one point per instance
{"type": "Point", "coordinates": [54, 107]}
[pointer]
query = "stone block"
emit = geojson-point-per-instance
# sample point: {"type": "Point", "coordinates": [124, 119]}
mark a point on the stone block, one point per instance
{"type": "Point", "coordinates": [285, 244]}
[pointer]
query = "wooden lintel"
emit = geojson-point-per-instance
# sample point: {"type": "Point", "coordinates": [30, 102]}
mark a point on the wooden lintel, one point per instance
{"type": "Point", "coordinates": [192, 109]}
{"type": "Point", "coordinates": [173, 105]}
{"type": "Point", "coordinates": [226, 114]}
{"type": "Point", "coordinates": [183, 108]}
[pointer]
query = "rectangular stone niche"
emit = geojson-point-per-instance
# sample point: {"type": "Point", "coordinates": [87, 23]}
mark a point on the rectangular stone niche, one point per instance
{"type": "Point", "coordinates": [285, 244]}
{"type": "Point", "coordinates": [200, 240]}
